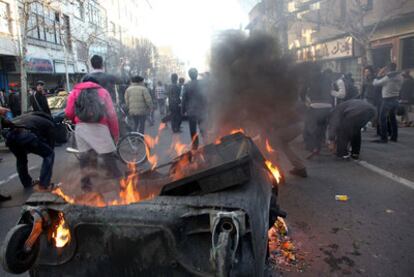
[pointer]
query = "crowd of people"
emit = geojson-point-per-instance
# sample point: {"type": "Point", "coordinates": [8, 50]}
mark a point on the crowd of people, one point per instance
{"type": "Point", "coordinates": [337, 104]}
{"type": "Point", "coordinates": [335, 114]}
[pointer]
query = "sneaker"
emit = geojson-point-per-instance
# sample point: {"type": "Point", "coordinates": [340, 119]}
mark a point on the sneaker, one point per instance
{"type": "Point", "coordinates": [355, 156]}
{"type": "Point", "coordinates": [394, 140]}
{"type": "Point", "coordinates": [5, 198]}
{"type": "Point", "coordinates": [345, 157]}
{"type": "Point", "coordinates": [301, 172]}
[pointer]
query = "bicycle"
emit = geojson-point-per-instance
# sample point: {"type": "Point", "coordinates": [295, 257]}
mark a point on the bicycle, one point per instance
{"type": "Point", "coordinates": [131, 147]}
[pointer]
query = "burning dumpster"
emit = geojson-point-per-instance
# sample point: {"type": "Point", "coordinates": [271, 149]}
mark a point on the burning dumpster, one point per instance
{"type": "Point", "coordinates": [206, 213]}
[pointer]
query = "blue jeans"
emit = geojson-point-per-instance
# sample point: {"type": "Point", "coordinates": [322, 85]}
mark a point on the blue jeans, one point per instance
{"type": "Point", "coordinates": [388, 110]}
{"type": "Point", "coordinates": [23, 142]}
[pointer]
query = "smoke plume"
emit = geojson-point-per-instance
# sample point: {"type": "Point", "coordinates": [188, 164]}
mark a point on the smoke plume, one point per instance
{"type": "Point", "coordinates": [253, 86]}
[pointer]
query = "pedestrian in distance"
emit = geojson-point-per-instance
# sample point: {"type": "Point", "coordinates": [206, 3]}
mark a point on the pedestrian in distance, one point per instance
{"type": "Point", "coordinates": [14, 103]}
{"type": "Point", "coordinates": [38, 100]}
{"type": "Point", "coordinates": [370, 93]}
{"type": "Point", "coordinates": [194, 107]}
{"type": "Point", "coordinates": [338, 91]}
{"type": "Point", "coordinates": [90, 107]}
{"type": "Point", "coordinates": [345, 127]}
{"type": "Point", "coordinates": [390, 82]}
{"type": "Point", "coordinates": [3, 99]}
{"type": "Point", "coordinates": [407, 97]}
{"type": "Point", "coordinates": [161, 96]}
{"type": "Point", "coordinates": [139, 104]}
{"type": "Point", "coordinates": [317, 95]}
{"type": "Point", "coordinates": [32, 133]}
{"type": "Point", "coordinates": [174, 103]}
{"type": "Point", "coordinates": [3, 112]}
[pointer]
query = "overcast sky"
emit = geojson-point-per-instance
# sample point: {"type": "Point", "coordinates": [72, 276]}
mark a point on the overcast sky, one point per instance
{"type": "Point", "coordinates": [188, 25]}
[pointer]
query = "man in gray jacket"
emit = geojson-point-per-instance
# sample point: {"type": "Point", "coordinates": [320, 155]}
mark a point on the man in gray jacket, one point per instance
{"type": "Point", "coordinates": [345, 126]}
{"type": "Point", "coordinates": [391, 81]}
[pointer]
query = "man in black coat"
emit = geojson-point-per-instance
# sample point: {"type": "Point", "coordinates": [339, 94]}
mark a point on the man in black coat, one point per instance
{"type": "Point", "coordinates": [98, 76]}
{"type": "Point", "coordinates": [32, 133]}
{"type": "Point", "coordinates": [174, 103]}
{"type": "Point", "coordinates": [38, 100]}
{"type": "Point", "coordinates": [194, 106]}
{"type": "Point", "coordinates": [14, 103]}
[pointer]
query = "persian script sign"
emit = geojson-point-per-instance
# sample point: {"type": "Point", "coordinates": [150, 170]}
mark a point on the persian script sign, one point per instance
{"type": "Point", "coordinates": [340, 48]}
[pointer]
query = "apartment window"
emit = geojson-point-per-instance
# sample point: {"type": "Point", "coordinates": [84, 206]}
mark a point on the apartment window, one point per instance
{"type": "Point", "coordinates": [97, 15]}
{"type": "Point", "coordinates": [43, 24]}
{"type": "Point", "coordinates": [80, 9]}
{"type": "Point", "coordinates": [67, 35]}
{"type": "Point", "coordinates": [4, 18]}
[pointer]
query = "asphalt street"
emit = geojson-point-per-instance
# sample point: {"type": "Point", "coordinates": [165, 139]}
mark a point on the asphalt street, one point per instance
{"type": "Point", "coordinates": [371, 234]}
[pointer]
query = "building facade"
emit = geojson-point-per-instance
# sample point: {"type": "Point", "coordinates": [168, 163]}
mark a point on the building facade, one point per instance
{"type": "Point", "coordinates": [348, 35]}
{"type": "Point", "coordinates": [62, 35]}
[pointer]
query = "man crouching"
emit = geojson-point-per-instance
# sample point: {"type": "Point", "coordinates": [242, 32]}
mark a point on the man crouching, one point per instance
{"type": "Point", "coordinates": [345, 125]}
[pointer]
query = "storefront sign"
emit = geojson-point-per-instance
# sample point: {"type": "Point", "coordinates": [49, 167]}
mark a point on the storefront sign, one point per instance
{"type": "Point", "coordinates": [60, 67]}
{"type": "Point", "coordinates": [335, 49]}
{"type": "Point", "coordinates": [39, 65]}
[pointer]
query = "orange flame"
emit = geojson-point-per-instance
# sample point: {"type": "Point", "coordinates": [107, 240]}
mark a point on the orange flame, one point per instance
{"type": "Point", "coordinates": [179, 148]}
{"type": "Point", "coordinates": [274, 170]}
{"type": "Point", "coordinates": [235, 131]}
{"type": "Point", "coordinates": [268, 147]}
{"type": "Point", "coordinates": [61, 234]}
{"type": "Point", "coordinates": [58, 191]}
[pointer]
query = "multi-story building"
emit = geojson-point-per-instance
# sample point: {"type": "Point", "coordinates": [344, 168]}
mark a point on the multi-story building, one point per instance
{"type": "Point", "coordinates": [345, 35]}
{"type": "Point", "coordinates": [62, 35]}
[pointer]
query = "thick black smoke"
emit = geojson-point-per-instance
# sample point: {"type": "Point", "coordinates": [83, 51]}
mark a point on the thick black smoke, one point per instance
{"type": "Point", "coordinates": [253, 86]}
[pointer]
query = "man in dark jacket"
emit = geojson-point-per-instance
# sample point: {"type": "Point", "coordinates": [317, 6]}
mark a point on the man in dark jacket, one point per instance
{"type": "Point", "coordinates": [194, 106]}
{"type": "Point", "coordinates": [14, 103]}
{"type": "Point", "coordinates": [174, 103]}
{"type": "Point", "coordinates": [38, 99]}
{"type": "Point", "coordinates": [98, 76]}
{"type": "Point", "coordinates": [407, 96]}
{"type": "Point", "coordinates": [317, 95]}
{"type": "Point", "coordinates": [32, 133]}
{"type": "Point", "coordinates": [345, 126]}
{"type": "Point", "coordinates": [3, 112]}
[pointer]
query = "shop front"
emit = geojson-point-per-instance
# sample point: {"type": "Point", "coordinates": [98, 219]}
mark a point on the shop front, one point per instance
{"type": "Point", "coordinates": [338, 54]}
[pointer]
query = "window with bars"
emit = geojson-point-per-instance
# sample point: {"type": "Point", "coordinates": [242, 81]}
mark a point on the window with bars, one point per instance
{"type": "Point", "coordinates": [43, 24]}
{"type": "Point", "coordinates": [4, 18]}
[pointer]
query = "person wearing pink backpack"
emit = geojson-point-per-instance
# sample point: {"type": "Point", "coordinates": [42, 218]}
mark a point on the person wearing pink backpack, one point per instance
{"type": "Point", "coordinates": [90, 107]}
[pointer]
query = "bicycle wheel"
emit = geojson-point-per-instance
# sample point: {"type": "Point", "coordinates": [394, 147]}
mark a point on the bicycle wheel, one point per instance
{"type": "Point", "coordinates": [131, 148]}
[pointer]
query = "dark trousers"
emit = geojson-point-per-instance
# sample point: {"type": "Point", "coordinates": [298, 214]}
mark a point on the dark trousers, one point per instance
{"type": "Point", "coordinates": [139, 123]}
{"type": "Point", "coordinates": [194, 121]}
{"type": "Point", "coordinates": [23, 142]}
{"type": "Point", "coordinates": [88, 162]}
{"type": "Point", "coordinates": [388, 111]}
{"type": "Point", "coordinates": [314, 133]}
{"type": "Point", "coordinates": [161, 106]}
{"type": "Point", "coordinates": [348, 135]}
{"type": "Point", "coordinates": [175, 118]}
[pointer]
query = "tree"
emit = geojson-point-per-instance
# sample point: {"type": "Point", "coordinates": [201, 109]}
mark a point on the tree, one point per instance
{"type": "Point", "coordinates": [142, 57]}
{"type": "Point", "coordinates": [25, 15]}
{"type": "Point", "coordinates": [353, 17]}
